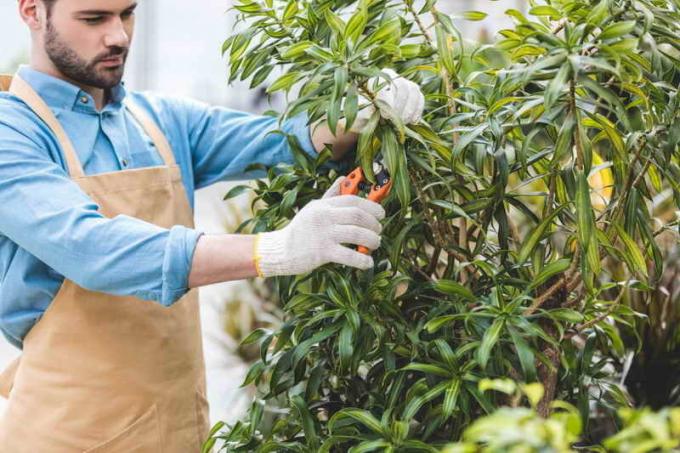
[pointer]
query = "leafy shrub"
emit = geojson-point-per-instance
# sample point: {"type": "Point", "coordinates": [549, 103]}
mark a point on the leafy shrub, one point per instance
{"type": "Point", "coordinates": [526, 210]}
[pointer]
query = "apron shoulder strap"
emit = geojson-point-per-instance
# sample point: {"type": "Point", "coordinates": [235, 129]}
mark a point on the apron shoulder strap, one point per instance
{"type": "Point", "coordinates": [23, 91]}
{"type": "Point", "coordinates": [151, 128]}
{"type": "Point", "coordinates": [5, 82]}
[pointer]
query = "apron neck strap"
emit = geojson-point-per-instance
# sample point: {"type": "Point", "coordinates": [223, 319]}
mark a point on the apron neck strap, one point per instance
{"type": "Point", "coordinates": [5, 82]}
{"type": "Point", "coordinates": [152, 129]}
{"type": "Point", "coordinates": [24, 92]}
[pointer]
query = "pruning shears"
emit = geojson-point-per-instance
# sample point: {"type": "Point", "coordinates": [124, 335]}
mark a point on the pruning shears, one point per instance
{"type": "Point", "coordinates": [355, 182]}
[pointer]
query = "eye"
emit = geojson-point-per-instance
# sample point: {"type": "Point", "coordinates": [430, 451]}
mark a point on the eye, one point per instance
{"type": "Point", "coordinates": [127, 15]}
{"type": "Point", "coordinates": [93, 20]}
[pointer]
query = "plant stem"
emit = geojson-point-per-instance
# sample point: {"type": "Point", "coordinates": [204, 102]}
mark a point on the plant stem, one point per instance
{"type": "Point", "coordinates": [566, 280]}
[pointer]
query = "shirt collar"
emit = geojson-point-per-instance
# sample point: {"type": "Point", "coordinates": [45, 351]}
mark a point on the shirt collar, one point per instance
{"type": "Point", "coordinates": [62, 94]}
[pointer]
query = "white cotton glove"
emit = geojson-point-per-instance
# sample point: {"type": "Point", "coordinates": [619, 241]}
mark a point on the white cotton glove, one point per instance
{"type": "Point", "coordinates": [314, 236]}
{"type": "Point", "coordinates": [401, 95]}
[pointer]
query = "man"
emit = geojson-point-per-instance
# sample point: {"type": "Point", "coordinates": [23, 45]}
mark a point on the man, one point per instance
{"type": "Point", "coordinates": [98, 256]}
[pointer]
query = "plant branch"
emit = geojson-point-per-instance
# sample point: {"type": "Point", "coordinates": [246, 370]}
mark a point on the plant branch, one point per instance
{"type": "Point", "coordinates": [564, 281]}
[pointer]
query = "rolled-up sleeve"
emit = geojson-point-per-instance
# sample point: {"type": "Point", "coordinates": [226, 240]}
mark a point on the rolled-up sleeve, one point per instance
{"type": "Point", "coordinates": [224, 142]}
{"type": "Point", "coordinates": [43, 211]}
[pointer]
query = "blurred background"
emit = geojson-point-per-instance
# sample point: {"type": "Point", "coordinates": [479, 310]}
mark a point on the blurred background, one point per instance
{"type": "Point", "coordinates": [176, 50]}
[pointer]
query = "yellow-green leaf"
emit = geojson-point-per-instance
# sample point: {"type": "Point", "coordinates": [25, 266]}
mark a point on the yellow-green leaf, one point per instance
{"type": "Point", "coordinates": [544, 10]}
{"type": "Point", "coordinates": [631, 253]}
{"type": "Point", "coordinates": [284, 82]}
{"type": "Point", "coordinates": [474, 15]}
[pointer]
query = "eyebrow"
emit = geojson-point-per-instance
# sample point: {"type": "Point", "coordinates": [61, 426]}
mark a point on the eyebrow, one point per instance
{"type": "Point", "coordinates": [98, 12]}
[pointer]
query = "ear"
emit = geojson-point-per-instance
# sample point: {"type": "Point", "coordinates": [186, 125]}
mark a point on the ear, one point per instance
{"type": "Point", "coordinates": [33, 13]}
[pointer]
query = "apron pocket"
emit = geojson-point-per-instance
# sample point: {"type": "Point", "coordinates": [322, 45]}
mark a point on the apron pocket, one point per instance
{"type": "Point", "coordinates": [142, 436]}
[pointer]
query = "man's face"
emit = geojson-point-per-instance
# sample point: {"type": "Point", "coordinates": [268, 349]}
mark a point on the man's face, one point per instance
{"type": "Point", "coordinates": [88, 40]}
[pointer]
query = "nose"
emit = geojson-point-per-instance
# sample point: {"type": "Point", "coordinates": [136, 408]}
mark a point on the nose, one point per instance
{"type": "Point", "coordinates": [117, 35]}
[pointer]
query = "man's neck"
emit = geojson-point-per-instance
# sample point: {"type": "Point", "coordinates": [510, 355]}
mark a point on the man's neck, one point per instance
{"type": "Point", "coordinates": [100, 96]}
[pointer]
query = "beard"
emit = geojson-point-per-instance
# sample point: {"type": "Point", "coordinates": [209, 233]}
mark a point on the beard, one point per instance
{"type": "Point", "coordinates": [71, 65]}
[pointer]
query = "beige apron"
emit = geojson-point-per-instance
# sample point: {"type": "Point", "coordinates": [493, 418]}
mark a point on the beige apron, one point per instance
{"type": "Point", "coordinates": [104, 373]}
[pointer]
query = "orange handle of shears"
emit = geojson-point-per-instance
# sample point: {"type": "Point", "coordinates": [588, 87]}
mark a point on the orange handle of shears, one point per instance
{"type": "Point", "coordinates": [350, 186]}
{"type": "Point", "coordinates": [377, 194]}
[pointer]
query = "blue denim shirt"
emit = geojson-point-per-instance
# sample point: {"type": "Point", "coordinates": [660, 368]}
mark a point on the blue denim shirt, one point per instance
{"type": "Point", "coordinates": [51, 230]}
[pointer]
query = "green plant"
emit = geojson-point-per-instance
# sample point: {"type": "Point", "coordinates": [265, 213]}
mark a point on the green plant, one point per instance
{"type": "Point", "coordinates": [521, 429]}
{"type": "Point", "coordinates": [647, 431]}
{"type": "Point", "coordinates": [520, 220]}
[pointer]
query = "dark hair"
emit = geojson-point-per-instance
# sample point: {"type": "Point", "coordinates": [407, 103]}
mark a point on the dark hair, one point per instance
{"type": "Point", "coordinates": [48, 5]}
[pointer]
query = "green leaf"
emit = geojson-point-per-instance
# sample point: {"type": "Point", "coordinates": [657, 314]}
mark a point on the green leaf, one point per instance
{"type": "Point", "coordinates": [208, 445]}
{"type": "Point", "coordinates": [362, 416]}
{"type": "Point", "coordinates": [489, 341]}
{"type": "Point", "coordinates": [565, 139]}
{"type": "Point", "coordinates": [339, 87]}
{"type": "Point", "coordinates": [410, 51]}
{"type": "Point", "coordinates": [368, 146]}
{"type": "Point", "coordinates": [545, 10]}
{"type": "Point", "coordinates": [291, 10]}
{"type": "Point", "coordinates": [474, 15]}
{"type": "Point", "coordinates": [566, 314]}
{"type": "Point", "coordinates": [416, 403]}
{"type": "Point", "coordinates": [261, 75]}
{"type": "Point", "coordinates": [301, 350]}
{"type": "Point", "coordinates": [451, 397]}
{"type": "Point", "coordinates": [427, 369]}
{"type": "Point", "coordinates": [334, 21]}
{"type": "Point", "coordinates": [236, 191]}
{"type": "Point", "coordinates": [296, 50]}
{"type": "Point", "coordinates": [351, 105]}
{"type": "Point", "coordinates": [255, 336]}
{"type": "Point", "coordinates": [308, 423]}
{"type": "Point", "coordinates": [507, 386]}
{"type": "Point", "coordinates": [537, 235]}
{"type": "Point", "coordinates": [584, 211]}
{"type": "Point", "coordinates": [254, 373]}
{"type": "Point", "coordinates": [284, 82]}
{"type": "Point", "coordinates": [387, 32]}
{"type": "Point", "coordinates": [580, 63]}
{"type": "Point", "coordinates": [356, 25]}
{"type": "Point", "coordinates": [524, 353]}
{"type": "Point", "coordinates": [369, 445]}
{"type": "Point", "coordinates": [556, 86]}
{"type": "Point", "coordinates": [631, 252]}
{"type": "Point", "coordinates": [598, 13]}
{"type": "Point", "coordinates": [346, 345]}
{"type": "Point", "coordinates": [444, 49]}
{"type": "Point", "coordinates": [550, 270]}
{"type": "Point", "coordinates": [435, 324]}
{"type": "Point", "coordinates": [469, 137]}
{"type": "Point", "coordinates": [445, 352]}
{"type": "Point", "coordinates": [400, 431]}
{"type": "Point", "coordinates": [534, 393]}
{"type": "Point", "coordinates": [454, 288]}
{"type": "Point", "coordinates": [395, 160]}
{"type": "Point", "coordinates": [617, 29]}
{"type": "Point", "coordinates": [288, 202]}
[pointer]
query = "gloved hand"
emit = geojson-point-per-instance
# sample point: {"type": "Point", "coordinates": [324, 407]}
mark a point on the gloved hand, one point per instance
{"type": "Point", "coordinates": [401, 95]}
{"type": "Point", "coordinates": [315, 235]}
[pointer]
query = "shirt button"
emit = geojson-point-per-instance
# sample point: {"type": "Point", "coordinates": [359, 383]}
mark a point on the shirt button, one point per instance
{"type": "Point", "coordinates": [84, 100]}
{"type": "Point", "coordinates": [124, 162]}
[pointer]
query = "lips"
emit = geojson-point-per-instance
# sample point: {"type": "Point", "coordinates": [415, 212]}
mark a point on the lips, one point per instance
{"type": "Point", "coordinates": [113, 61]}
